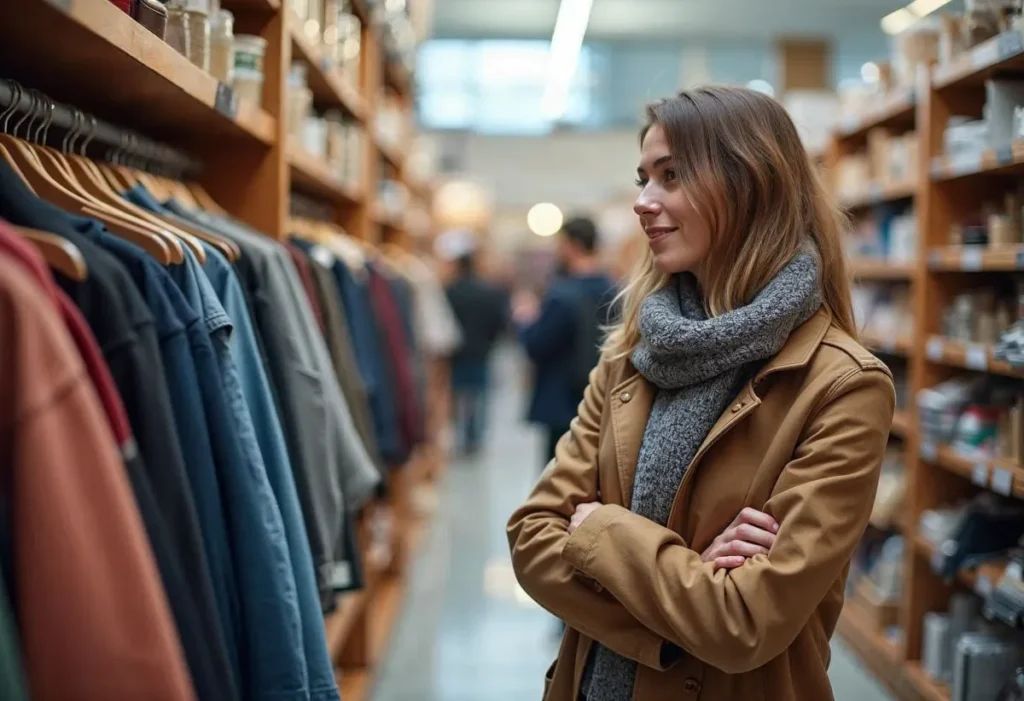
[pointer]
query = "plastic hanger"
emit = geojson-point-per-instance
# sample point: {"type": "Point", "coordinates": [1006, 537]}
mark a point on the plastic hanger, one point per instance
{"type": "Point", "coordinates": [60, 254]}
{"type": "Point", "coordinates": [45, 186]}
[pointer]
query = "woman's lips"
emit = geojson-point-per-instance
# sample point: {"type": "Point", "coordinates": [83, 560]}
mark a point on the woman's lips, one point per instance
{"type": "Point", "coordinates": [657, 234]}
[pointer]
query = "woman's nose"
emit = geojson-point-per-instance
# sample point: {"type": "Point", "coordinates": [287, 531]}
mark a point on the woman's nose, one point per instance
{"type": "Point", "coordinates": [646, 205]}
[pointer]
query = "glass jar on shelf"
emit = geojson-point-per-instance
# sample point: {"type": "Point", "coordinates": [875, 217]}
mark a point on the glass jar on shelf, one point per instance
{"type": "Point", "coordinates": [349, 46]}
{"type": "Point", "coordinates": [248, 77]}
{"type": "Point", "coordinates": [222, 46]}
{"type": "Point", "coordinates": [199, 38]}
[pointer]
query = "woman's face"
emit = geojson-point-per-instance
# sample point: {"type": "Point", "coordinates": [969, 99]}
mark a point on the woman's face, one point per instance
{"type": "Point", "coordinates": [678, 237]}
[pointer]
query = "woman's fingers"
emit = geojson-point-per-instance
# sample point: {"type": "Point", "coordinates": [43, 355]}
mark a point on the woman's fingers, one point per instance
{"type": "Point", "coordinates": [741, 548]}
{"type": "Point", "coordinates": [753, 534]}
{"type": "Point", "coordinates": [729, 562]}
{"type": "Point", "coordinates": [759, 519]}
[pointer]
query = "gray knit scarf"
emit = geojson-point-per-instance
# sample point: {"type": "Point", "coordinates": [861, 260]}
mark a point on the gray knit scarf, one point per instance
{"type": "Point", "coordinates": [697, 365]}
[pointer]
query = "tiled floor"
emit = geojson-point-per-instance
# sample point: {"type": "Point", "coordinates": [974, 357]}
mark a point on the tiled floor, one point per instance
{"type": "Point", "coordinates": [467, 632]}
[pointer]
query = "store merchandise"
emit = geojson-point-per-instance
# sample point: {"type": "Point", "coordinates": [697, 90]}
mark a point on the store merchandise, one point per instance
{"type": "Point", "coordinates": [889, 161]}
{"type": "Point", "coordinates": [222, 47]}
{"type": "Point", "coordinates": [979, 416]}
{"type": "Point", "coordinates": [152, 15]}
{"type": "Point", "coordinates": [888, 232]}
{"type": "Point", "coordinates": [982, 315]}
{"type": "Point", "coordinates": [981, 665]}
{"type": "Point", "coordinates": [253, 456]}
{"type": "Point", "coordinates": [248, 76]}
{"type": "Point", "coordinates": [882, 311]}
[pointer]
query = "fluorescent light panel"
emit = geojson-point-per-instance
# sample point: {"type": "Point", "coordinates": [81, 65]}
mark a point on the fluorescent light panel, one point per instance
{"type": "Point", "coordinates": [566, 42]}
{"type": "Point", "coordinates": [903, 18]}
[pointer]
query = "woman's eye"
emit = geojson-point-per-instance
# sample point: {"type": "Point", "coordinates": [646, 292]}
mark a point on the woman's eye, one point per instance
{"type": "Point", "coordinates": [670, 174]}
{"type": "Point", "coordinates": [640, 182]}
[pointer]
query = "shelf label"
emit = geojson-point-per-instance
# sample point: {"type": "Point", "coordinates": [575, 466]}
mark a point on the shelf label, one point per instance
{"type": "Point", "coordinates": [965, 164]}
{"type": "Point", "coordinates": [935, 349]}
{"type": "Point", "coordinates": [1004, 155]}
{"type": "Point", "coordinates": [1002, 481]}
{"type": "Point", "coordinates": [1010, 44]}
{"type": "Point", "coordinates": [983, 586]}
{"type": "Point", "coordinates": [976, 357]}
{"type": "Point", "coordinates": [929, 451]}
{"type": "Point", "coordinates": [986, 54]}
{"type": "Point", "coordinates": [970, 258]}
{"type": "Point", "coordinates": [979, 475]}
{"type": "Point", "coordinates": [226, 101]}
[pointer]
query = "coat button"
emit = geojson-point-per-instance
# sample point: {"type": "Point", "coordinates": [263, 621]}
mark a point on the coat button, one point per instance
{"type": "Point", "coordinates": [625, 397]}
{"type": "Point", "coordinates": [691, 686]}
{"type": "Point", "coordinates": [736, 408]}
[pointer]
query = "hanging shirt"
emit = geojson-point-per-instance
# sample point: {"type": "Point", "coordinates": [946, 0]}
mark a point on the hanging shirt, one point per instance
{"type": "Point", "coordinates": [268, 433]}
{"type": "Point", "coordinates": [94, 620]}
{"type": "Point", "coordinates": [213, 584]}
{"type": "Point", "coordinates": [12, 675]}
{"type": "Point", "coordinates": [124, 329]}
{"type": "Point", "coordinates": [332, 468]}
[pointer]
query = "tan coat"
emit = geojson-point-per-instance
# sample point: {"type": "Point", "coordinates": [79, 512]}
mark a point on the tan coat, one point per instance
{"type": "Point", "coordinates": [803, 441]}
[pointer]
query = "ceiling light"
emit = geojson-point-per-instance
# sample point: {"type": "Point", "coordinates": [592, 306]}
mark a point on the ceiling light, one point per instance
{"type": "Point", "coordinates": [762, 86]}
{"type": "Point", "coordinates": [544, 219]}
{"type": "Point", "coordinates": [922, 8]}
{"type": "Point", "coordinates": [870, 73]}
{"type": "Point", "coordinates": [564, 54]}
{"type": "Point", "coordinates": [898, 21]}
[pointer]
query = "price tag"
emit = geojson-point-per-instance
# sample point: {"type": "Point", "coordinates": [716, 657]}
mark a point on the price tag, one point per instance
{"type": "Point", "coordinates": [1010, 44]}
{"type": "Point", "coordinates": [928, 451]}
{"type": "Point", "coordinates": [1002, 481]}
{"type": "Point", "coordinates": [226, 101]}
{"type": "Point", "coordinates": [976, 357]}
{"type": "Point", "coordinates": [935, 349]}
{"type": "Point", "coordinates": [965, 164]}
{"type": "Point", "coordinates": [979, 475]}
{"type": "Point", "coordinates": [985, 55]}
{"type": "Point", "coordinates": [970, 258]}
{"type": "Point", "coordinates": [1004, 155]}
{"type": "Point", "coordinates": [983, 586]}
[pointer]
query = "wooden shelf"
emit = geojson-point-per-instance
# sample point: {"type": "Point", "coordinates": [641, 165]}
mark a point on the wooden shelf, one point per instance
{"type": "Point", "coordinates": [1006, 160]}
{"type": "Point", "coordinates": [999, 475]}
{"type": "Point", "coordinates": [388, 221]}
{"type": "Point", "coordinates": [323, 77]}
{"type": "Point", "coordinates": [1000, 54]}
{"type": "Point", "coordinates": [398, 78]}
{"type": "Point", "coordinates": [887, 345]}
{"type": "Point", "coordinates": [977, 258]}
{"type": "Point", "coordinates": [313, 176]}
{"type": "Point", "coordinates": [926, 687]}
{"type": "Point", "coordinates": [972, 356]}
{"type": "Point", "coordinates": [112, 67]}
{"type": "Point", "coordinates": [892, 109]}
{"type": "Point", "coordinates": [878, 653]}
{"type": "Point", "coordinates": [390, 152]}
{"type": "Point", "coordinates": [879, 193]}
{"type": "Point", "coordinates": [880, 269]}
{"type": "Point", "coordinates": [902, 424]}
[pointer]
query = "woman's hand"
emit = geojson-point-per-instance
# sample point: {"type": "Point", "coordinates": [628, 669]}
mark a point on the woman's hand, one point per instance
{"type": "Point", "coordinates": [582, 511]}
{"type": "Point", "coordinates": [750, 533]}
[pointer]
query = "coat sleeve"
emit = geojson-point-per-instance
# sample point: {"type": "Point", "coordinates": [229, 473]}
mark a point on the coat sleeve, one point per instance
{"type": "Point", "coordinates": [739, 620]}
{"type": "Point", "coordinates": [538, 532]}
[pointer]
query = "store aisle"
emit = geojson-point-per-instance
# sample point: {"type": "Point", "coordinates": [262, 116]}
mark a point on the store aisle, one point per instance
{"type": "Point", "coordinates": [468, 633]}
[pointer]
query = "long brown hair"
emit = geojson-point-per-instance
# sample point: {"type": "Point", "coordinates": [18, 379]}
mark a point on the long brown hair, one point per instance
{"type": "Point", "coordinates": [741, 162]}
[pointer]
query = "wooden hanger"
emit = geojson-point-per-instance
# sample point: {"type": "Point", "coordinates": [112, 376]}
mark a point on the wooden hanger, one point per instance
{"type": "Point", "coordinates": [60, 254]}
{"type": "Point", "coordinates": [204, 200]}
{"type": "Point", "coordinates": [44, 185]}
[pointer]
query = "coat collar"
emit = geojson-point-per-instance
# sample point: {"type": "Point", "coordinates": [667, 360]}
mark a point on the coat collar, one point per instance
{"type": "Point", "coordinates": [800, 346]}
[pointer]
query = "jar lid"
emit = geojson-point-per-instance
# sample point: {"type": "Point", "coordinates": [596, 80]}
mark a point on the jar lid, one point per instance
{"type": "Point", "coordinates": [250, 42]}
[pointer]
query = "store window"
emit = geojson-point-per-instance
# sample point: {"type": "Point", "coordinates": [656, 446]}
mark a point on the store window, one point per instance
{"type": "Point", "coordinates": [493, 86]}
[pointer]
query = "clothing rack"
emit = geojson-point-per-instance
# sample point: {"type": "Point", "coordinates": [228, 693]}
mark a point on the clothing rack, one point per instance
{"type": "Point", "coordinates": [170, 113]}
{"type": "Point", "coordinates": [77, 125]}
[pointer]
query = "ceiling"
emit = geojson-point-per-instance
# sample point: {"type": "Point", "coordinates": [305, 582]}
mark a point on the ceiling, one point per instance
{"type": "Point", "coordinates": [665, 19]}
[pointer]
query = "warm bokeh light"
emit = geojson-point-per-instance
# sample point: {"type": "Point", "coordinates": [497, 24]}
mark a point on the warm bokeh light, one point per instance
{"type": "Point", "coordinates": [544, 219]}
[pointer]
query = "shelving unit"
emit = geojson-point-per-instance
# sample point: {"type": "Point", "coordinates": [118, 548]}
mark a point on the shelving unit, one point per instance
{"type": "Point", "coordinates": [89, 54]}
{"type": "Point", "coordinates": [945, 191]}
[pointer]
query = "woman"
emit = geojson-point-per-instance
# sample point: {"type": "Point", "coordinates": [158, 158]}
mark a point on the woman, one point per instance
{"type": "Point", "coordinates": [696, 526]}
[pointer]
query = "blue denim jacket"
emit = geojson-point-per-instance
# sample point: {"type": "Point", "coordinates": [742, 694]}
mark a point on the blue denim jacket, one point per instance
{"type": "Point", "coordinates": [266, 425]}
{"type": "Point", "coordinates": [273, 666]}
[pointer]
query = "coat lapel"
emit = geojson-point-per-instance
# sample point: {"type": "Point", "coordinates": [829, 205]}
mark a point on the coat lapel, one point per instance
{"type": "Point", "coordinates": [631, 405]}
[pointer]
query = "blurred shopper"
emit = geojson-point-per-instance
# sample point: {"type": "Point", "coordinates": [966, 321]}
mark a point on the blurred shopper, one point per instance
{"type": "Point", "coordinates": [481, 309]}
{"type": "Point", "coordinates": [733, 423]}
{"type": "Point", "coordinates": [563, 334]}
